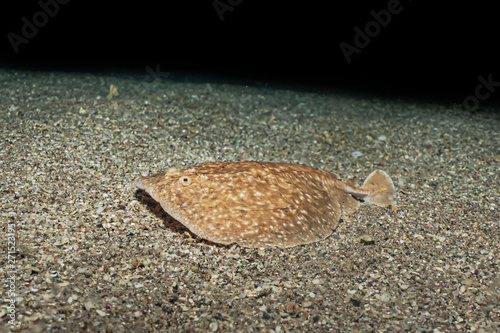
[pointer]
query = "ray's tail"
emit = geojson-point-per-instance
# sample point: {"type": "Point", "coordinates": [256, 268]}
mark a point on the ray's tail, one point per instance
{"type": "Point", "coordinates": [381, 189]}
{"type": "Point", "coordinates": [377, 189]}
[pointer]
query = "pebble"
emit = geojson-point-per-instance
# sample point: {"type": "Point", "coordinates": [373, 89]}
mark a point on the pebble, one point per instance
{"type": "Point", "coordinates": [307, 304]}
{"type": "Point", "coordinates": [101, 313]}
{"type": "Point", "coordinates": [367, 239]}
{"type": "Point", "coordinates": [385, 297]}
{"type": "Point", "coordinates": [89, 305]}
{"type": "Point", "coordinates": [357, 154]}
{"type": "Point", "coordinates": [214, 326]}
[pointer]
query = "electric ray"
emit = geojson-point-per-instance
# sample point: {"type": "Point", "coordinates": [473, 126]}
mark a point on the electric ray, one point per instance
{"type": "Point", "coordinates": [258, 204]}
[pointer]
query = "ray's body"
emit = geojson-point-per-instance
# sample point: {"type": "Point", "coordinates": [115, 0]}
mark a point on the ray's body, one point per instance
{"type": "Point", "coordinates": [258, 204]}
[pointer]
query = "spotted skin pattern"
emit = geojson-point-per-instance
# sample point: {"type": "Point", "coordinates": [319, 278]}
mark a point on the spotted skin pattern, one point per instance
{"type": "Point", "coordinates": [260, 204]}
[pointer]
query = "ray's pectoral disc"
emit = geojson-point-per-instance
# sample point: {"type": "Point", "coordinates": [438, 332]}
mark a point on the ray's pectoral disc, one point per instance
{"type": "Point", "coordinates": [258, 204]}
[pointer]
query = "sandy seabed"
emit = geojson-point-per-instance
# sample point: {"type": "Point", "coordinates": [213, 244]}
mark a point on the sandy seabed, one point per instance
{"type": "Point", "coordinates": [92, 253]}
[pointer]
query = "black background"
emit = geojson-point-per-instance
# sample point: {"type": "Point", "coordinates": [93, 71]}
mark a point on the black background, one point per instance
{"type": "Point", "coordinates": [426, 49]}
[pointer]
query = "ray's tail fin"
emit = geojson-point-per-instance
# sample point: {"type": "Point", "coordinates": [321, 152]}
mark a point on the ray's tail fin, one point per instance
{"type": "Point", "coordinates": [381, 191]}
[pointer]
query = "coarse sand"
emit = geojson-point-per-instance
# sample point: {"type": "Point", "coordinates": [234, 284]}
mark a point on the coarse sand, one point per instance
{"type": "Point", "coordinates": [93, 253]}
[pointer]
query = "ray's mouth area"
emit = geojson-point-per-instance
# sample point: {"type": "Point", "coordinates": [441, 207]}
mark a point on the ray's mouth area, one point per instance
{"type": "Point", "coordinates": [169, 222]}
{"type": "Point", "coordinates": [155, 207]}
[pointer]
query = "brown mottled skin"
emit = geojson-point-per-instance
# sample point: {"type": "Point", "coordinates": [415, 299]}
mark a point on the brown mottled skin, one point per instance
{"type": "Point", "coordinates": [257, 204]}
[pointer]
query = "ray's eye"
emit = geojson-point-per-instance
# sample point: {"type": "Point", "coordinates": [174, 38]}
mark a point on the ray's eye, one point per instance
{"type": "Point", "coordinates": [185, 180]}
